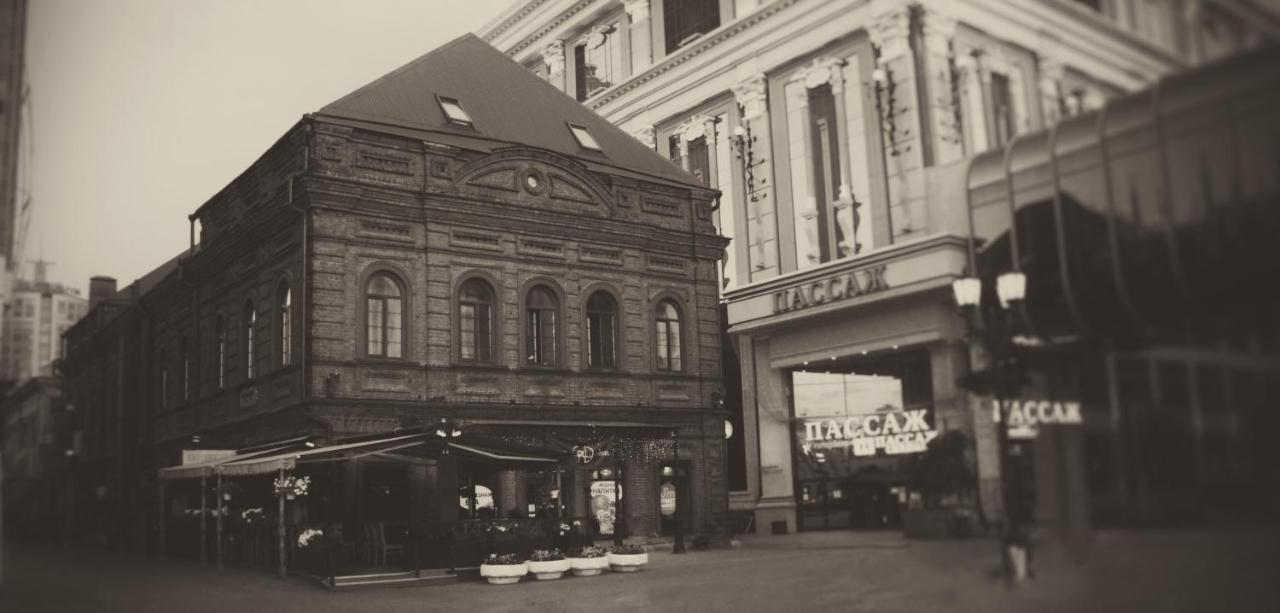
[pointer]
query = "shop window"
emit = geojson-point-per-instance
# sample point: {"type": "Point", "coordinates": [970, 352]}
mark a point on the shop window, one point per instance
{"type": "Point", "coordinates": [284, 321]}
{"type": "Point", "coordinates": [668, 336]}
{"type": "Point", "coordinates": [598, 60]}
{"type": "Point", "coordinates": [542, 314]}
{"type": "Point", "coordinates": [602, 331]}
{"type": "Point", "coordinates": [475, 322]}
{"type": "Point", "coordinates": [685, 20]}
{"type": "Point", "coordinates": [250, 322]}
{"type": "Point", "coordinates": [384, 319]}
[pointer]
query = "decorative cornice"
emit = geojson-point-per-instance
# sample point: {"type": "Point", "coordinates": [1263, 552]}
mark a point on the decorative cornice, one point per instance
{"type": "Point", "coordinates": [637, 10]}
{"type": "Point", "coordinates": [889, 31]}
{"type": "Point", "coordinates": [752, 95]}
{"type": "Point", "coordinates": [689, 52]}
{"type": "Point", "coordinates": [550, 25]}
{"type": "Point", "coordinates": [821, 71]}
{"type": "Point", "coordinates": [519, 14]}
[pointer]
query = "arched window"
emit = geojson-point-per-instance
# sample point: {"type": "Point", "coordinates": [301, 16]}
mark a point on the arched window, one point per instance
{"type": "Point", "coordinates": [385, 328]}
{"type": "Point", "coordinates": [475, 322]}
{"type": "Point", "coordinates": [542, 312]}
{"type": "Point", "coordinates": [284, 319]}
{"type": "Point", "coordinates": [220, 329]}
{"type": "Point", "coordinates": [602, 331]}
{"type": "Point", "coordinates": [250, 322]}
{"type": "Point", "coordinates": [667, 328]}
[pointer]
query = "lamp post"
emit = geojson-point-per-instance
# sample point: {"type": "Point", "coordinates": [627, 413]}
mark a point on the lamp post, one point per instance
{"type": "Point", "coordinates": [446, 430]}
{"type": "Point", "coordinates": [678, 546]}
{"type": "Point", "coordinates": [1002, 379]}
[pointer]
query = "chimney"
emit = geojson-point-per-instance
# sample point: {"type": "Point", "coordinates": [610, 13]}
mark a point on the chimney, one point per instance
{"type": "Point", "coordinates": [100, 288]}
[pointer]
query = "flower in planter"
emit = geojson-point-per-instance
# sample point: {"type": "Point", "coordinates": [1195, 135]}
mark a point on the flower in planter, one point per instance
{"type": "Point", "coordinates": [503, 559]}
{"type": "Point", "coordinates": [590, 551]}
{"type": "Point", "coordinates": [309, 536]}
{"type": "Point", "coordinates": [546, 555]}
{"type": "Point", "coordinates": [253, 516]}
{"type": "Point", "coordinates": [629, 549]}
{"type": "Point", "coordinates": [293, 486]}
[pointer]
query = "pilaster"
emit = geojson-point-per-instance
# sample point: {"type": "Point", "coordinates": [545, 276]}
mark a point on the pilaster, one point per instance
{"type": "Point", "coordinates": [752, 142]}
{"type": "Point", "coordinates": [638, 21]}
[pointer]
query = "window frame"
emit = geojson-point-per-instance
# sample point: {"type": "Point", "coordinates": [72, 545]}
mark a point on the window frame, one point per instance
{"type": "Point", "coordinates": [465, 121]}
{"type": "Point", "coordinates": [615, 357]}
{"type": "Point", "coordinates": [526, 336]}
{"type": "Point", "coordinates": [250, 340]}
{"type": "Point", "coordinates": [470, 280]}
{"type": "Point", "coordinates": [682, 335]}
{"type": "Point", "coordinates": [220, 346]}
{"type": "Point", "coordinates": [621, 25]}
{"type": "Point", "coordinates": [284, 323]}
{"type": "Point", "coordinates": [669, 43]}
{"type": "Point", "coordinates": [399, 279]}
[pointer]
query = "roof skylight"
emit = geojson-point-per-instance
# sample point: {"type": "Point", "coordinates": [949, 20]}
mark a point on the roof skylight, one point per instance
{"type": "Point", "coordinates": [584, 138]}
{"type": "Point", "coordinates": [453, 111]}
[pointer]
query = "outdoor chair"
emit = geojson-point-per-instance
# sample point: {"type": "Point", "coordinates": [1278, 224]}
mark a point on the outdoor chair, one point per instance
{"type": "Point", "coordinates": [389, 550]}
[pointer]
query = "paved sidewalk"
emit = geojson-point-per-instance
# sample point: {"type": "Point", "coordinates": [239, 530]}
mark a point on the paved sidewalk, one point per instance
{"type": "Point", "coordinates": [837, 571]}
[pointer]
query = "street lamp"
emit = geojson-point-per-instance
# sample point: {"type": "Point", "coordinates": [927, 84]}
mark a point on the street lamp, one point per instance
{"type": "Point", "coordinates": [1002, 380]}
{"type": "Point", "coordinates": [446, 430]}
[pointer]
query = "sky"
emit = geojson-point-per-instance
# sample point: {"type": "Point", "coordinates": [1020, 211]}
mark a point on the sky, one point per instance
{"type": "Point", "coordinates": [141, 110]}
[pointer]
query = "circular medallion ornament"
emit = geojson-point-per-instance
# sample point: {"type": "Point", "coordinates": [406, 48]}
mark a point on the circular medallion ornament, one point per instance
{"type": "Point", "coordinates": [584, 454]}
{"type": "Point", "coordinates": [534, 182]}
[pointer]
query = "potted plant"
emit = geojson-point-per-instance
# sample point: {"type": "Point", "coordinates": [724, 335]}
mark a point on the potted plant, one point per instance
{"type": "Point", "coordinates": [503, 569]}
{"type": "Point", "coordinates": [548, 564]}
{"type": "Point", "coordinates": [943, 477]}
{"type": "Point", "coordinates": [628, 558]}
{"type": "Point", "coordinates": [588, 561]}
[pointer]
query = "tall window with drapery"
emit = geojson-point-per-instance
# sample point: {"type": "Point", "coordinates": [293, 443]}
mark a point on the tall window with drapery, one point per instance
{"type": "Point", "coordinates": [668, 336]}
{"type": "Point", "coordinates": [542, 314]}
{"type": "Point", "coordinates": [220, 329]}
{"type": "Point", "coordinates": [250, 324]}
{"type": "Point", "coordinates": [284, 320]}
{"type": "Point", "coordinates": [385, 329]}
{"type": "Point", "coordinates": [475, 322]}
{"type": "Point", "coordinates": [602, 331]}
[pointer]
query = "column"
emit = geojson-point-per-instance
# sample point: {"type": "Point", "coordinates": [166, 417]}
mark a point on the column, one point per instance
{"type": "Point", "coordinates": [944, 90]}
{"type": "Point", "coordinates": [895, 81]}
{"type": "Point", "coordinates": [1052, 104]}
{"type": "Point", "coordinates": [638, 26]}
{"type": "Point", "coordinates": [553, 57]}
{"type": "Point", "coordinates": [507, 498]}
{"type": "Point", "coordinates": [444, 488]}
{"type": "Point", "coordinates": [754, 143]}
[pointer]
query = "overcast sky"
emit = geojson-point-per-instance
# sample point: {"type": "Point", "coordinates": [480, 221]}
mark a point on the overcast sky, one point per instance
{"type": "Point", "coordinates": [143, 109]}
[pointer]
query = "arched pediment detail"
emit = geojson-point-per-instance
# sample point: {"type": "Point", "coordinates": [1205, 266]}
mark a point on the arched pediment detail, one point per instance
{"type": "Point", "coordinates": [534, 175]}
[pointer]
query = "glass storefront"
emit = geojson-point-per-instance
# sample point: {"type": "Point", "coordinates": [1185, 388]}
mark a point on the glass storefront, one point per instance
{"type": "Point", "coordinates": [855, 421]}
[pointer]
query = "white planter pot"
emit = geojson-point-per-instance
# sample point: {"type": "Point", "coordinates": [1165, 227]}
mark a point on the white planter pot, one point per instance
{"type": "Point", "coordinates": [503, 574]}
{"type": "Point", "coordinates": [549, 570]}
{"type": "Point", "coordinates": [628, 563]}
{"type": "Point", "coordinates": [588, 567]}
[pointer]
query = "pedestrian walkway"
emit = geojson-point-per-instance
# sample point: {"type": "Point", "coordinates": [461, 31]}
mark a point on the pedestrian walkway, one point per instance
{"type": "Point", "coordinates": [833, 571]}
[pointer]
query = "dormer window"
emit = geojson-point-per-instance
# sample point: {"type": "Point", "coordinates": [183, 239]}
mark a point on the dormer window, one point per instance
{"type": "Point", "coordinates": [453, 111]}
{"type": "Point", "coordinates": [584, 138]}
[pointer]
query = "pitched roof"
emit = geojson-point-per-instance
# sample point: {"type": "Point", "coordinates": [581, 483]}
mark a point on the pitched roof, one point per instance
{"type": "Point", "coordinates": [506, 102]}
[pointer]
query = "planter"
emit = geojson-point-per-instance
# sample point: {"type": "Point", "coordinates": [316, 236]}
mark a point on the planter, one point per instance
{"type": "Point", "coordinates": [627, 563]}
{"type": "Point", "coordinates": [588, 567]}
{"type": "Point", "coordinates": [503, 574]}
{"type": "Point", "coordinates": [549, 570]}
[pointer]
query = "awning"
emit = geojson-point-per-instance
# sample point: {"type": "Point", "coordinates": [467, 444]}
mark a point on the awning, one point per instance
{"type": "Point", "coordinates": [206, 468]}
{"type": "Point", "coordinates": [508, 456]}
{"type": "Point", "coordinates": [287, 461]}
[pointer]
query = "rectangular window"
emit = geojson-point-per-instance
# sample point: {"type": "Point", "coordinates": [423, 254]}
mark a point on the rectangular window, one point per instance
{"type": "Point", "coordinates": [600, 341]}
{"type": "Point", "coordinates": [393, 329]}
{"type": "Point", "coordinates": [453, 111]}
{"type": "Point", "coordinates": [700, 161]}
{"type": "Point", "coordinates": [686, 20]}
{"type": "Point", "coordinates": [1003, 117]}
{"type": "Point", "coordinates": [375, 326]}
{"type": "Point", "coordinates": [598, 61]}
{"type": "Point", "coordinates": [825, 161]}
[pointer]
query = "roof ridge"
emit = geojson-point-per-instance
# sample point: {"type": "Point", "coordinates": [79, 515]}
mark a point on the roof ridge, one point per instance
{"type": "Point", "coordinates": [364, 89]}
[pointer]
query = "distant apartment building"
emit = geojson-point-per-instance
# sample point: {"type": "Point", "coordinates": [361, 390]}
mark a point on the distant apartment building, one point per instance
{"type": "Point", "coordinates": [841, 134]}
{"type": "Point", "coordinates": [39, 312]}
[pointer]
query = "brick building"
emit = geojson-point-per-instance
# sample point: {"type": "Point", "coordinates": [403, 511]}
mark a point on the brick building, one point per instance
{"type": "Point", "coordinates": [428, 248]}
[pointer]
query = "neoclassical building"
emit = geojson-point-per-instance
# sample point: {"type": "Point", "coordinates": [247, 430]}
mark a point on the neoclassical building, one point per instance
{"type": "Point", "coordinates": [840, 134]}
{"type": "Point", "coordinates": [455, 247]}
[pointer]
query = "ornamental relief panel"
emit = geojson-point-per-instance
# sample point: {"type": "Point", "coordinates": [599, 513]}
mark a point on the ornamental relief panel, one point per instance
{"type": "Point", "coordinates": [535, 178]}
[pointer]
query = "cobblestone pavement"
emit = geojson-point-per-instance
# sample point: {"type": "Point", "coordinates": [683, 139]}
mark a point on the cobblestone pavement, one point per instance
{"type": "Point", "coordinates": [839, 571]}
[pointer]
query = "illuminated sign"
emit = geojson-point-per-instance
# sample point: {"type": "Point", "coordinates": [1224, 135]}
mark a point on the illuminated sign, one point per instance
{"type": "Point", "coordinates": [838, 287]}
{"type": "Point", "coordinates": [667, 499]}
{"type": "Point", "coordinates": [604, 504]}
{"type": "Point", "coordinates": [1026, 415]}
{"type": "Point", "coordinates": [895, 433]}
{"type": "Point", "coordinates": [585, 454]}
